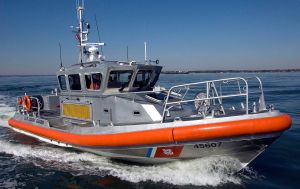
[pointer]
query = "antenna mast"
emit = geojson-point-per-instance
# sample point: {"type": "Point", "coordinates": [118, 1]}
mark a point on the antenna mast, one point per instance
{"type": "Point", "coordinates": [61, 65]}
{"type": "Point", "coordinates": [145, 43]}
{"type": "Point", "coordinates": [99, 39]}
{"type": "Point", "coordinates": [82, 32]}
{"type": "Point", "coordinates": [127, 53]}
{"type": "Point", "coordinates": [80, 12]}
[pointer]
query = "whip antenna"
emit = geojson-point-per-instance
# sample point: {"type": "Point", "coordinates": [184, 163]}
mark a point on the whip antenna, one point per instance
{"type": "Point", "coordinates": [127, 53]}
{"type": "Point", "coordinates": [146, 58]}
{"type": "Point", "coordinates": [99, 39]}
{"type": "Point", "coordinates": [61, 65]}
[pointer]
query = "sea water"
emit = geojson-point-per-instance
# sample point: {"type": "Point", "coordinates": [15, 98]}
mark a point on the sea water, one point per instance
{"type": "Point", "coordinates": [28, 163]}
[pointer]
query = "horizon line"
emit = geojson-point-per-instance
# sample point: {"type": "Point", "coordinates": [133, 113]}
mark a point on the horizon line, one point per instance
{"type": "Point", "coordinates": [181, 71]}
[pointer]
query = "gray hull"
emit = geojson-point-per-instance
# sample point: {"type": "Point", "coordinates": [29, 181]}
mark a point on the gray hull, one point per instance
{"type": "Point", "coordinates": [244, 149]}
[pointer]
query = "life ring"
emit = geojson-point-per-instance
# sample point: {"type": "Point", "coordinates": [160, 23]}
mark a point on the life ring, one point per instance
{"type": "Point", "coordinates": [20, 100]}
{"type": "Point", "coordinates": [27, 103]}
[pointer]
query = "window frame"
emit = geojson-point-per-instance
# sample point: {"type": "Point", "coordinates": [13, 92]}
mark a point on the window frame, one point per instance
{"type": "Point", "coordinates": [59, 82]}
{"type": "Point", "coordinates": [136, 76]}
{"type": "Point", "coordinates": [128, 82]}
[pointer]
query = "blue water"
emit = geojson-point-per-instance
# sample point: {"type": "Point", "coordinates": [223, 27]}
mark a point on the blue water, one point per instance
{"type": "Point", "coordinates": [28, 163]}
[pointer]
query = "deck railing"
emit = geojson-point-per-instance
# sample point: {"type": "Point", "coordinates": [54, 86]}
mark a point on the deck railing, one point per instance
{"type": "Point", "coordinates": [21, 108]}
{"type": "Point", "coordinates": [212, 91]}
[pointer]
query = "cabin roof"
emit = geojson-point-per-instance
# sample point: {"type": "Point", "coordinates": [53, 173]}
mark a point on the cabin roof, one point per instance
{"type": "Point", "coordinates": [105, 65]}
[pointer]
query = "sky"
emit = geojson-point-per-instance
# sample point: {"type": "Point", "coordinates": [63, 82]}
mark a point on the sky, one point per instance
{"type": "Point", "coordinates": [182, 34]}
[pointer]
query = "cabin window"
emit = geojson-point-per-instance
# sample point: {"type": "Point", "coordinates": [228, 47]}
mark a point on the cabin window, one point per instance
{"type": "Point", "coordinates": [93, 81]}
{"type": "Point", "coordinates": [119, 79]}
{"type": "Point", "coordinates": [155, 78]}
{"type": "Point", "coordinates": [62, 82]}
{"type": "Point", "coordinates": [74, 82]}
{"type": "Point", "coordinates": [142, 78]}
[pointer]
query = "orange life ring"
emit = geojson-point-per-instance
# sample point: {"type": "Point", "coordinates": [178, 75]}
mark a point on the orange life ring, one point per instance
{"type": "Point", "coordinates": [27, 103]}
{"type": "Point", "coordinates": [20, 100]}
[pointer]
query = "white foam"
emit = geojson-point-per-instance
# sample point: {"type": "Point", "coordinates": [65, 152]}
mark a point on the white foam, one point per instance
{"type": "Point", "coordinates": [207, 171]}
{"type": "Point", "coordinates": [6, 112]}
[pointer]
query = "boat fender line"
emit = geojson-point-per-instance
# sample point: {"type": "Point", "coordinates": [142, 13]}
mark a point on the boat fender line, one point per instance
{"type": "Point", "coordinates": [137, 138]}
{"type": "Point", "coordinates": [162, 135]}
{"type": "Point", "coordinates": [233, 128]}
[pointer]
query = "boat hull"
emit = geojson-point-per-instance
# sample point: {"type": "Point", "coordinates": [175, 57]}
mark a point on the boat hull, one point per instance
{"type": "Point", "coordinates": [245, 149]}
{"type": "Point", "coordinates": [242, 149]}
{"type": "Point", "coordinates": [240, 139]}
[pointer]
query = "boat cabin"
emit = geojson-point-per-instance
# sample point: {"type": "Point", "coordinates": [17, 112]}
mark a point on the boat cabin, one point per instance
{"type": "Point", "coordinates": [107, 77]}
{"type": "Point", "coordinates": [108, 92]}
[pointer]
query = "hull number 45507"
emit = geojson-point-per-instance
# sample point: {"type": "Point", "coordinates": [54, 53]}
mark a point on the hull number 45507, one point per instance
{"type": "Point", "coordinates": [208, 145]}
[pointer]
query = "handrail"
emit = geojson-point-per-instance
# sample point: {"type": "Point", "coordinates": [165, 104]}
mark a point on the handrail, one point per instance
{"type": "Point", "coordinates": [38, 105]}
{"type": "Point", "coordinates": [259, 81]}
{"type": "Point", "coordinates": [21, 107]}
{"type": "Point", "coordinates": [210, 84]}
{"type": "Point", "coordinates": [210, 98]}
{"type": "Point", "coordinates": [262, 95]}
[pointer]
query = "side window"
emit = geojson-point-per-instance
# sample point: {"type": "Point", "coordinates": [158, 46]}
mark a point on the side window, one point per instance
{"type": "Point", "coordinates": [62, 82]}
{"type": "Point", "coordinates": [97, 78]}
{"type": "Point", "coordinates": [142, 78]}
{"type": "Point", "coordinates": [74, 82]}
{"type": "Point", "coordinates": [93, 81]}
{"type": "Point", "coordinates": [119, 79]}
{"type": "Point", "coordinates": [155, 78]}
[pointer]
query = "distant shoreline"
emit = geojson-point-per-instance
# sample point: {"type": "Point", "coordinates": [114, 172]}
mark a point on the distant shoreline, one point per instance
{"type": "Point", "coordinates": [188, 72]}
{"type": "Point", "coordinates": [229, 71]}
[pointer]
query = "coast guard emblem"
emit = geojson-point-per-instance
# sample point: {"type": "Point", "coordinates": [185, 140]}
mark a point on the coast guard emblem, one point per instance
{"type": "Point", "coordinates": [168, 152]}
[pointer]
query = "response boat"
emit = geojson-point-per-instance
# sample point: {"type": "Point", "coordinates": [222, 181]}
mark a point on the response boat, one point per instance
{"type": "Point", "coordinates": [115, 109]}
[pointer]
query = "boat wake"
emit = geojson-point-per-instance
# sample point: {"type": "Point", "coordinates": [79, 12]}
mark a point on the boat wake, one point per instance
{"type": "Point", "coordinates": [207, 171]}
{"type": "Point", "coordinates": [6, 111]}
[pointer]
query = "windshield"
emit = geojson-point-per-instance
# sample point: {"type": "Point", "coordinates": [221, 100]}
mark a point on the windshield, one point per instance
{"type": "Point", "coordinates": [142, 78]}
{"type": "Point", "coordinates": [119, 79]}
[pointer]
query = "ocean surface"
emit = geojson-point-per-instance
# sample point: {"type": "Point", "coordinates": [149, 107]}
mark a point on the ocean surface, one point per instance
{"type": "Point", "coordinates": [28, 163]}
